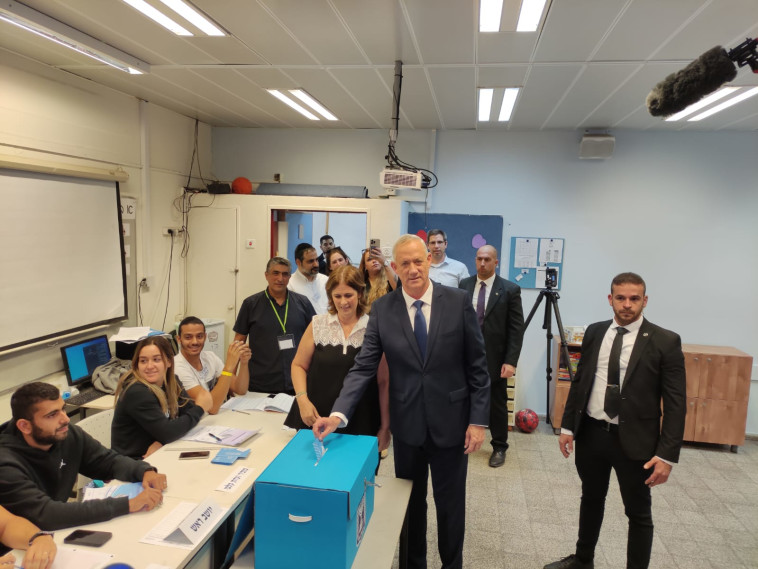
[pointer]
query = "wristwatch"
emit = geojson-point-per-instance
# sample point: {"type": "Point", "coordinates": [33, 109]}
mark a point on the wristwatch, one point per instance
{"type": "Point", "coordinates": [39, 534]}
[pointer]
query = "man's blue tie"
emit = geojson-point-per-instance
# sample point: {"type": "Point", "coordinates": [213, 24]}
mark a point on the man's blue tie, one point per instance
{"type": "Point", "coordinates": [419, 328]}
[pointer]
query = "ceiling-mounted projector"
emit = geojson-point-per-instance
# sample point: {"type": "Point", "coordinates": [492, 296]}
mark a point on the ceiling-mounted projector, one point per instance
{"type": "Point", "coordinates": [400, 179]}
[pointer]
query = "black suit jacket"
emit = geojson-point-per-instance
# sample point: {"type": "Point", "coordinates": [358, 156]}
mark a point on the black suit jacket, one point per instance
{"type": "Point", "coordinates": [655, 372]}
{"type": "Point", "coordinates": [440, 395]}
{"type": "Point", "coordinates": [503, 327]}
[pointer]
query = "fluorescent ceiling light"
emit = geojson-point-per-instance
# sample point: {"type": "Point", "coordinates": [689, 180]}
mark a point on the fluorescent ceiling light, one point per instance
{"type": "Point", "coordinates": [529, 18]}
{"type": "Point", "coordinates": [313, 104]}
{"type": "Point", "coordinates": [726, 104]}
{"type": "Point", "coordinates": [702, 103]}
{"type": "Point", "coordinates": [485, 104]}
{"type": "Point", "coordinates": [289, 102]}
{"type": "Point", "coordinates": [158, 17]}
{"type": "Point", "coordinates": [490, 12]}
{"type": "Point", "coordinates": [49, 28]}
{"type": "Point", "coordinates": [191, 15]}
{"type": "Point", "coordinates": [509, 99]}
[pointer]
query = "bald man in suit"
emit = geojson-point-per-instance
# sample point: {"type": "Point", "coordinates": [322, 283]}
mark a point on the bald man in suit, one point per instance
{"type": "Point", "coordinates": [501, 317]}
{"type": "Point", "coordinates": [439, 394]}
{"type": "Point", "coordinates": [613, 412]}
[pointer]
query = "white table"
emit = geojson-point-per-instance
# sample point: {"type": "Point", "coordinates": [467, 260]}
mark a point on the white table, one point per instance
{"type": "Point", "coordinates": [195, 480]}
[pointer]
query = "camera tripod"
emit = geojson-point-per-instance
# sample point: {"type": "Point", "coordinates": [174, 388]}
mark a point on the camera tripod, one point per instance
{"type": "Point", "coordinates": [551, 300]}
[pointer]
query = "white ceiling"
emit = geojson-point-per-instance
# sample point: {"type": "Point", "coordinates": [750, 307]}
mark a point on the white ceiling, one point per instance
{"type": "Point", "coordinates": [590, 66]}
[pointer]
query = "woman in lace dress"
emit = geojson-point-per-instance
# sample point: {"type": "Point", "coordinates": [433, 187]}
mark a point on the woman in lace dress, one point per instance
{"type": "Point", "coordinates": [325, 355]}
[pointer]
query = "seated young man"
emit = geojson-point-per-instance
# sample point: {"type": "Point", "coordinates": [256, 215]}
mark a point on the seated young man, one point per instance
{"type": "Point", "coordinates": [41, 454]}
{"type": "Point", "coordinates": [202, 373]}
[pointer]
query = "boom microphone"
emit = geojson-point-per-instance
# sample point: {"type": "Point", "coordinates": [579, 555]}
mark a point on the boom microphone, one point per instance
{"type": "Point", "coordinates": [687, 86]}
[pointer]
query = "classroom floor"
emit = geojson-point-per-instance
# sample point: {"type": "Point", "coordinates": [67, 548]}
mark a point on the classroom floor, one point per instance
{"type": "Point", "coordinates": [525, 513]}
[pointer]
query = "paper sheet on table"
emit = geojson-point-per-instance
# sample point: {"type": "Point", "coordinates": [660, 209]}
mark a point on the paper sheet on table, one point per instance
{"type": "Point", "coordinates": [167, 526]}
{"type": "Point", "coordinates": [75, 558]}
{"type": "Point", "coordinates": [280, 403]}
{"type": "Point", "coordinates": [219, 435]}
{"type": "Point", "coordinates": [130, 490]}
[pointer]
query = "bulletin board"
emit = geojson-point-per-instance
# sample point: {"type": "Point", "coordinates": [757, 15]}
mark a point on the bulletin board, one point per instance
{"type": "Point", "coordinates": [465, 233]}
{"type": "Point", "coordinates": [529, 258]}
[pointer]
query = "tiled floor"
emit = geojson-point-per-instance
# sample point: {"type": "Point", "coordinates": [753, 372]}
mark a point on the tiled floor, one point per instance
{"type": "Point", "coordinates": [524, 514]}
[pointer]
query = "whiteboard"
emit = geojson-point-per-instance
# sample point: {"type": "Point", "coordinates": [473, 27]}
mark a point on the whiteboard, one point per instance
{"type": "Point", "coordinates": [61, 256]}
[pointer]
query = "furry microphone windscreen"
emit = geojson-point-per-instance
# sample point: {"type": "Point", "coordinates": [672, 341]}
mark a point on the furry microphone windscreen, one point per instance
{"type": "Point", "coordinates": [687, 86]}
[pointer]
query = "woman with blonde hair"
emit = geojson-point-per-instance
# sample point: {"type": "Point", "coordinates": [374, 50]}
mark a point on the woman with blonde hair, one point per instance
{"type": "Point", "coordinates": [152, 408]}
{"type": "Point", "coordinates": [377, 273]}
{"type": "Point", "coordinates": [325, 355]}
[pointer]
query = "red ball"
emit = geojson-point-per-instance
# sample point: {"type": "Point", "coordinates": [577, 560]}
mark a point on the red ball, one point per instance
{"type": "Point", "coordinates": [242, 186]}
{"type": "Point", "coordinates": [527, 420]}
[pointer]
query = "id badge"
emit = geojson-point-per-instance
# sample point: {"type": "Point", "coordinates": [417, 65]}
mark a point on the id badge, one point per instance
{"type": "Point", "coordinates": [286, 342]}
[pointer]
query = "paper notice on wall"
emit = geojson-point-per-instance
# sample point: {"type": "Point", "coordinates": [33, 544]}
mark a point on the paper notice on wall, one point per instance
{"type": "Point", "coordinates": [526, 252]}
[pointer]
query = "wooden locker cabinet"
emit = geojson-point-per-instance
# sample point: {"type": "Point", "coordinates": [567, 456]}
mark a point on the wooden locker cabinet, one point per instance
{"type": "Point", "coordinates": [560, 388]}
{"type": "Point", "coordinates": [718, 387]}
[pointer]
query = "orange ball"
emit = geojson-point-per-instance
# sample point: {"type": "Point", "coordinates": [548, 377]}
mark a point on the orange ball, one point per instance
{"type": "Point", "coordinates": [242, 186]}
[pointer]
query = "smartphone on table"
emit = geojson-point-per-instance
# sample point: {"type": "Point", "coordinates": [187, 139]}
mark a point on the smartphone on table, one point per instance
{"type": "Point", "coordinates": [87, 537]}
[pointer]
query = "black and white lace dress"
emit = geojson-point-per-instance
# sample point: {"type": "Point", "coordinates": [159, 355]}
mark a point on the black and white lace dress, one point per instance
{"type": "Point", "coordinates": [332, 359]}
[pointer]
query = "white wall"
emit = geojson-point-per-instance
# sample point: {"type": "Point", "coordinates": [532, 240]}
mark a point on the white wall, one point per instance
{"type": "Point", "coordinates": [49, 115]}
{"type": "Point", "coordinates": [678, 208]}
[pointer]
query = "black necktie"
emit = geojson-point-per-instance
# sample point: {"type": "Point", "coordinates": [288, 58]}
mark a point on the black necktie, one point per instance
{"type": "Point", "coordinates": [480, 304]}
{"type": "Point", "coordinates": [613, 390]}
{"type": "Point", "coordinates": [419, 328]}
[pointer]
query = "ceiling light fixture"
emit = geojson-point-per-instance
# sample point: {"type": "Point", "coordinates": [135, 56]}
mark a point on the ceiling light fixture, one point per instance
{"type": "Point", "coordinates": [726, 104]}
{"type": "Point", "coordinates": [158, 17]}
{"type": "Point", "coordinates": [490, 12]}
{"type": "Point", "coordinates": [702, 103]}
{"type": "Point", "coordinates": [313, 104]}
{"type": "Point", "coordinates": [485, 104]}
{"type": "Point", "coordinates": [192, 15]}
{"type": "Point", "coordinates": [289, 102]}
{"type": "Point", "coordinates": [530, 15]}
{"type": "Point", "coordinates": [509, 100]}
{"type": "Point", "coordinates": [49, 28]}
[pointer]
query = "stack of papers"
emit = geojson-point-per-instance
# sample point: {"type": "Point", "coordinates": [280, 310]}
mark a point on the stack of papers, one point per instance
{"type": "Point", "coordinates": [229, 455]}
{"type": "Point", "coordinates": [279, 403]}
{"type": "Point", "coordinates": [130, 490]}
{"type": "Point", "coordinates": [219, 435]}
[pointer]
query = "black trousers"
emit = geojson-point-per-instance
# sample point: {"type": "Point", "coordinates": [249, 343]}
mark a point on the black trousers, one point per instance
{"type": "Point", "coordinates": [499, 412]}
{"type": "Point", "coordinates": [597, 452]}
{"type": "Point", "coordinates": [449, 468]}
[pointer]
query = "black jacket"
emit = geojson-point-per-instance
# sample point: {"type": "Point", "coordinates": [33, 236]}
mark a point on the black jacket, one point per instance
{"type": "Point", "coordinates": [36, 484]}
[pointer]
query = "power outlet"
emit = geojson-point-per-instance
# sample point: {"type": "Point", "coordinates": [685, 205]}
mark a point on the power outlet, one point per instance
{"type": "Point", "coordinates": [168, 231]}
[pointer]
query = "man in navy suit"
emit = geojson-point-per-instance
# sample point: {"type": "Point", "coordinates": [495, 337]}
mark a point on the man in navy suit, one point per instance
{"type": "Point", "coordinates": [628, 366]}
{"type": "Point", "coordinates": [439, 394]}
{"type": "Point", "coordinates": [498, 308]}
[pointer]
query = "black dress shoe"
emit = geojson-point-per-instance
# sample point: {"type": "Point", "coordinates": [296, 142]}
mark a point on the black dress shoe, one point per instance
{"type": "Point", "coordinates": [570, 562]}
{"type": "Point", "coordinates": [497, 458]}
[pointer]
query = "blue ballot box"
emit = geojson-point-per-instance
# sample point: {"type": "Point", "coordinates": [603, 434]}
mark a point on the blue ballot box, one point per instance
{"type": "Point", "coordinates": [315, 515]}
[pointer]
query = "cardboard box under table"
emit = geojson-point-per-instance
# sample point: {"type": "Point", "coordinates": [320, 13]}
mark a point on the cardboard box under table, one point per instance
{"type": "Point", "coordinates": [310, 514]}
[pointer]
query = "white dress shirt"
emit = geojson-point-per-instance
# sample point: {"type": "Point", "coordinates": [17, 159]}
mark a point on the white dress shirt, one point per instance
{"type": "Point", "coordinates": [426, 308]}
{"type": "Point", "coordinates": [489, 282]}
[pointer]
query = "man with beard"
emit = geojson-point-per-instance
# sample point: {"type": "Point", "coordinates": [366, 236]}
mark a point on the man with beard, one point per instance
{"type": "Point", "coordinates": [306, 280]}
{"type": "Point", "coordinates": [628, 367]}
{"type": "Point", "coordinates": [41, 454]}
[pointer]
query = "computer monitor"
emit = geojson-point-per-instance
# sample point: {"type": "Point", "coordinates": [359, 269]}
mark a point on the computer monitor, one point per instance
{"type": "Point", "coordinates": [81, 359]}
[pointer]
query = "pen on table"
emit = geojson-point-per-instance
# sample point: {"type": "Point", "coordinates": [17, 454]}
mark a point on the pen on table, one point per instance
{"type": "Point", "coordinates": [215, 437]}
{"type": "Point", "coordinates": [240, 411]}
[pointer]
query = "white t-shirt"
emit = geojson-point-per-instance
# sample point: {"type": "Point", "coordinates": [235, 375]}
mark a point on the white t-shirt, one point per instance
{"type": "Point", "coordinates": [315, 290]}
{"type": "Point", "coordinates": [205, 378]}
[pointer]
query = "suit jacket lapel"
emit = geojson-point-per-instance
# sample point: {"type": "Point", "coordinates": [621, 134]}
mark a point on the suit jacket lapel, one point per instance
{"type": "Point", "coordinates": [643, 337]}
{"type": "Point", "coordinates": [495, 294]}
{"type": "Point", "coordinates": [434, 319]}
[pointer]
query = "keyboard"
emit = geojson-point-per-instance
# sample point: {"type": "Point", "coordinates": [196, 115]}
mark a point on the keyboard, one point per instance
{"type": "Point", "coordinates": [84, 397]}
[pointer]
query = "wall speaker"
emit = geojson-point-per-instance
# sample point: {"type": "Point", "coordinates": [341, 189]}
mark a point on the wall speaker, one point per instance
{"type": "Point", "coordinates": [596, 146]}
